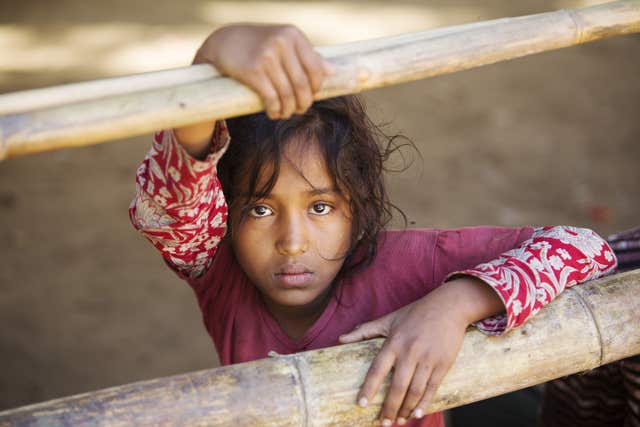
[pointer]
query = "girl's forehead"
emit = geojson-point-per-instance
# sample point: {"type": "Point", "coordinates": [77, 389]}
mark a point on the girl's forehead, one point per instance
{"type": "Point", "coordinates": [302, 165]}
{"type": "Point", "coordinates": [303, 153]}
{"type": "Point", "coordinates": [305, 167]}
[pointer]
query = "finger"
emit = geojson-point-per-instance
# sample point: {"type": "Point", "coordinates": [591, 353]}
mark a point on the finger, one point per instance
{"type": "Point", "coordinates": [268, 94]}
{"type": "Point", "coordinates": [378, 371]}
{"type": "Point", "coordinates": [395, 396]}
{"type": "Point", "coordinates": [434, 382]}
{"type": "Point", "coordinates": [416, 390]}
{"type": "Point", "coordinates": [315, 66]}
{"type": "Point", "coordinates": [280, 81]}
{"type": "Point", "coordinates": [298, 80]}
{"type": "Point", "coordinates": [364, 332]}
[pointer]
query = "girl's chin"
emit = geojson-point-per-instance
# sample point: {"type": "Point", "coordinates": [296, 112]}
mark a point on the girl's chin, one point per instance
{"type": "Point", "coordinates": [297, 297]}
{"type": "Point", "coordinates": [301, 299]}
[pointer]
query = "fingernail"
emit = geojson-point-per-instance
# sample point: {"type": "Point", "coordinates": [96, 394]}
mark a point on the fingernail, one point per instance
{"type": "Point", "coordinates": [386, 422]}
{"type": "Point", "coordinates": [401, 421]}
{"type": "Point", "coordinates": [418, 413]}
{"type": "Point", "coordinates": [363, 402]}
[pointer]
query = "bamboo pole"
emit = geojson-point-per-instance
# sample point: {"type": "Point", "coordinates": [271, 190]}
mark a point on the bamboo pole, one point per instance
{"type": "Point", "coordinates": [194, 97]}
{"type": "Point", "coordinates": [37, 99]}
{"type": "Point", "coordinates": [585, 327]}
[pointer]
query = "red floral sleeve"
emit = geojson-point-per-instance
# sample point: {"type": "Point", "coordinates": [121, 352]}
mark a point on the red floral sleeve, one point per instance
{"type": "Point", "coordinates": [532, 275]}
{"type": "Point", "coordinates": [179, 205]}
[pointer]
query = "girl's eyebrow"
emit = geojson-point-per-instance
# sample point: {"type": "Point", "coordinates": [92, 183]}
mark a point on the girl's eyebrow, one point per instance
{"type": "Point", "coordinates": [312, 192]}
{"type": "Point", "coordinates": [319, 191]}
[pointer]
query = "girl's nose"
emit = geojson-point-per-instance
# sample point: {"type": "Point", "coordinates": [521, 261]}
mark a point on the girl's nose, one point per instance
{"type": "Point", "coordinates": [292, 236]}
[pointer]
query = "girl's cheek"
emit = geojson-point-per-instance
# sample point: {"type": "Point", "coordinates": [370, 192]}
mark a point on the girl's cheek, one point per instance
{"type": "Point", "coordinates": [250, 232]}
{"type": "Point", "coordinates": [341, 229]}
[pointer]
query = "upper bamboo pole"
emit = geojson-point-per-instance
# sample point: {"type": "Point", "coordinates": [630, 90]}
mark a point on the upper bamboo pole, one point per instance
{"type": "Point", "coordinates": [585, 327]}
{"type": "Point", "coordinates": [36, 99]}
{"type": "Point", "coordinates": [88, 113]}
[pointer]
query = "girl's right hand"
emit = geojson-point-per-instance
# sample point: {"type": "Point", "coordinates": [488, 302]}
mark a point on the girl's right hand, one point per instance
{"type": "Point", "coordinates": [276, 61]}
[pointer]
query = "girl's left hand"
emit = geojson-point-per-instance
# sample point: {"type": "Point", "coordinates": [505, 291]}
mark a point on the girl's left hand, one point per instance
{"type": "Point", "coordinates": [423, 340]}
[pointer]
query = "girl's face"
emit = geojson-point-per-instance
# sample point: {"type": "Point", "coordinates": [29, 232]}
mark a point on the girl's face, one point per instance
{"type": "Point", "coordinates": [292, 243]}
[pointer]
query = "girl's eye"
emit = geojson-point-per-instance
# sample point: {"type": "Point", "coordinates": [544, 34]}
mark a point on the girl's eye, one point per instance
{"type": "Point", "coordinates": [260, 211]}
{"type": "Point", "coordinates": [321, 208]}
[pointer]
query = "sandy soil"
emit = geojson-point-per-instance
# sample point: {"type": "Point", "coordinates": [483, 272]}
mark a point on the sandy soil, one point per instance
{"type": "Point", "coordinates": [86, 303]}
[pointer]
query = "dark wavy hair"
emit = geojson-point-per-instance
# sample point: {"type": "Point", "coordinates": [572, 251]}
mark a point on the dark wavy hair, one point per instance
{"type": "Point", "coordinates": [355, 151]}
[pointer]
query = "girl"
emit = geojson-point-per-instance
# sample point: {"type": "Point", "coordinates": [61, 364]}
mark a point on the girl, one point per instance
{"type": "Point", "coordinates": [277, 224]}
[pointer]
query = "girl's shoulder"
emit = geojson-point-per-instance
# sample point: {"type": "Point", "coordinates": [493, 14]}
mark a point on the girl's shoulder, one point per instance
{"type": "Point", "coordinates": [401, 246]}
{"type": "Point", "coordinates": [404, 235]}
{"type": "Point", "coordinates": [427, 243]}
{"type": "Point", "coordinates": [424, 256]}
{"type": "Point", "coordinates": [406, 238]}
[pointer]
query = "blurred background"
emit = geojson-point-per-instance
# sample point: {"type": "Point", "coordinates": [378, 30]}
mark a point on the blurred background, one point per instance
{"type": "Point", "coordinates": [86, 303]}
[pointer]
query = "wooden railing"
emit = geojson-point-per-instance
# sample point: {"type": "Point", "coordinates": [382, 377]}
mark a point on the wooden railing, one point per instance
{"type": "Point", "coordinates": [93, 112]}
{"type": "Point", "coordinates": [585, 327]}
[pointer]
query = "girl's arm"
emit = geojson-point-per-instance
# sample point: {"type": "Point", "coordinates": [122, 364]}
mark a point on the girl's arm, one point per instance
{"type": "Point", "coordinates": [423, 338]}
{"type": "Point", "coordinates": [529, 277]}
{"type": "Point", "coordinates": [179, 205]}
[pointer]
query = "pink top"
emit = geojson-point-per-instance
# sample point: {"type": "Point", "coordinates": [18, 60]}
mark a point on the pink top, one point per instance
{"type": "Point", "coordinates": [180, 208]}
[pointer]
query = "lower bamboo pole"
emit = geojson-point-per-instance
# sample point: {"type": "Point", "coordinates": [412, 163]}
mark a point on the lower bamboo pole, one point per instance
{"type": "Point", "coordinates": [360, 66]}
{"type": "Point", "coordinates": [585, 327]}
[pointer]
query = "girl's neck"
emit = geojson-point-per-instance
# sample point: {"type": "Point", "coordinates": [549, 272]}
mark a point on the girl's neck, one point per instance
{"type": "Point", "coordinates": [295, 321]}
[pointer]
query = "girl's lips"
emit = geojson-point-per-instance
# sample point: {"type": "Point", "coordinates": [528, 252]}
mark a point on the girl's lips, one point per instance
{"type": "Point", "coordinates": [294, 275]}
{"type": "Point", "coordinates": [293, 269]}
{"type": "Point", "coordinates": [294, 279]}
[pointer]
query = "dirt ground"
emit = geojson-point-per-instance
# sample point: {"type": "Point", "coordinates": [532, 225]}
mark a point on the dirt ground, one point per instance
{"type": "Point", "coordinates": [86, 303]}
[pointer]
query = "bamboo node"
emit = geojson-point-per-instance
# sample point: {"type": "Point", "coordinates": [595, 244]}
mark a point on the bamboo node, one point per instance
{"type": "Point", "coordinates": [301, 380]}
{"type": "Point", "coordinates": [579, 25]}
{"type": "Point", "coordinates": [594, 319]}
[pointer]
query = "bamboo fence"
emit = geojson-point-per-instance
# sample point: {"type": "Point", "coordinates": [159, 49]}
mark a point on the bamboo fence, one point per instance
{"type": "Point", "coordinates": [92, 112]}
{"type": "Point", "coordinates": [585, 327]}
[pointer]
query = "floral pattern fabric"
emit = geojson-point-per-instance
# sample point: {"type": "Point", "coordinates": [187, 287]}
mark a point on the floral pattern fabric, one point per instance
{"type": "Point", "coordinates": [179, 204]}
{"type": "Point", "coordinates": [180, 208]}
{"type": "Point", "coordinates": [531, 276]}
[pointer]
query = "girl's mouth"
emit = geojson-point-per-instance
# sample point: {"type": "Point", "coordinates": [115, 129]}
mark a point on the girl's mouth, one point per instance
{"type": "Point", "coordinates": [294, 275]}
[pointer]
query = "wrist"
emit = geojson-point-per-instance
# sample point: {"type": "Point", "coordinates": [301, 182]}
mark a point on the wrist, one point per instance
{"type": "Point", "coordinates": [474, 299]}
{"type": "Point", "coordinates": [195, 139]}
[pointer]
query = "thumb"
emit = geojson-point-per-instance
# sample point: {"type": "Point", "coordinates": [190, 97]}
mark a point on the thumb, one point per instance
{"type": "Point", "coordinates": [373, 329]}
